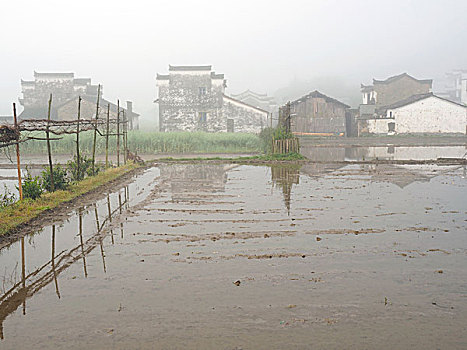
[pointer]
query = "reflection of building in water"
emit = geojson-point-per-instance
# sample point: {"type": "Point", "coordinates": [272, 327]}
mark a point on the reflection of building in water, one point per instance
{"type": "Point", "coordinates": [189, 181]}
{"type": "Point", "coordinates": [322, 154]}
{"type": "Point", "coordinates": [397, 174]}
{"type": "Point", "coordinates": [285, 177]}
{"type": "Point", "coordinates": [392, 152]}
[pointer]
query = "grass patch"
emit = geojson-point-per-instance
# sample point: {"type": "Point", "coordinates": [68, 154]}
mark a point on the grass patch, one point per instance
{"type": "Point", "coordinates": [23, 211]}
{"type": "Point", "coordinates": [153, 143]}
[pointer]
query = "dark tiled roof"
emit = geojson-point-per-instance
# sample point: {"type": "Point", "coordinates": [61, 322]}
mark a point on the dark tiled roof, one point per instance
{"type": "Point", "coordinates": [318, 94]}
{"type": "Point", "coordinates": [27, 82]}
{"type": "Point", "coordinates": [411, 100]}
{"type": "Point", "coordinates": [162, 76]}
{"type": "Point", "coordinates": [36, 113]}
{"type": "Point", "coordinates": [366, 88]}
{"type": "Point", "coordinates": [217, 76]}
{"type": "Point", "coordinates": [103, 103]}
{"type": "Point", "coordinates": [82, 81]}
{"type": "Point", "coordinates": [396, 77]}
{"type": "Point", "coordinates": [189, 68]}
{"type": "Point", "coordinates": [53, 74]}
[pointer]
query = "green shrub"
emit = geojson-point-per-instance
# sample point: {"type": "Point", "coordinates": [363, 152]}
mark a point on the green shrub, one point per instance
{"type": "Point", "coordinates": [60, 178]}
{"type": "Point", "coordinates": [32, 186]}
{"type": "Point", "coordinates": [85, 163]}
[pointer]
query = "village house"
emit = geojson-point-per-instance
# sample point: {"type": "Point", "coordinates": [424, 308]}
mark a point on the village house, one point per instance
{"type": "Point", "coordinates": [424, 113]}
{"type": "Point", "coordinates": [384, 93]}
{"type": "Point", "coordinates": [65, 90]}
{"type": "Point", "coordinates": [262, 101]}
{"type": "Point", "coordinates": [317, 113]}
{"type": "Point", "coordinates": [69, 110]}
{"type": "Point", "coordinates": [192, 98]}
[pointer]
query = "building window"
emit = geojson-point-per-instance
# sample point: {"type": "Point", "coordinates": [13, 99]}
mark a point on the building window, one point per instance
{"type": "Point", "coordinates": [202, 116]}
{"type": "Point", "coordinates": [391, 127]}
{"type": "Point", "coordinates": [203, 90]}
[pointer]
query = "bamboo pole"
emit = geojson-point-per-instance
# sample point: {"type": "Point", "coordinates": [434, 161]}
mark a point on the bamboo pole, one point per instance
{"type": "Point", "coordinates": [52, 186]}
{"type": "Point", "coordinates": [124, 137]}
{"type": "Point", "coordinates": [118, 133]}
{"type": "Point", "coordinates": [77, 140]}
{"type": "Point", "coordinates": [95, 132]}
{"type": "Point", "coordinates": [18, 162]}
{"type": "Point", "coordinates": [107, 138]}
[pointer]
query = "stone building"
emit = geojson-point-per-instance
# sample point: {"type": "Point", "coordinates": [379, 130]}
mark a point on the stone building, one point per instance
{"type": "Point", "coordinates": [317, 113]}
{"type": "Point", "coordinates": [62, 86]}
{"type": "Point", "coordinates": [192, 98]}
{"type": "Point", "coordinates": [262, 101]}
{"type": "Point", "coordinates": [65, 90]}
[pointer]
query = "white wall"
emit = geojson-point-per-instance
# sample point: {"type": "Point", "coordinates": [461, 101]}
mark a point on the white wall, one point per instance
{"type": "Point", "coordinates": [430, 115]}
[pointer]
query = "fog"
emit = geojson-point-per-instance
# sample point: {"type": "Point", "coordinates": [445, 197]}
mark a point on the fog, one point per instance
{"type": "Point", "coordinates": [281, 48]}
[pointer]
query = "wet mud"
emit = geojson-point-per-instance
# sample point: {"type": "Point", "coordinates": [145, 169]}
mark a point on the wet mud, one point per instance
{"type": "Point", "coordinates": [225, 256]}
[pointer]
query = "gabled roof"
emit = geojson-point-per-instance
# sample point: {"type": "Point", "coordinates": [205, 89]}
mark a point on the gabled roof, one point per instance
{"type": "Point", "coordinates": [244, 104]}
{"type": "Point", "coordinates": [397, 77]}
{"type": "Point", "coordinates": [249, 93]}
{"type": "Point", "coordinates": [317, 94]}
{"type": "Point", "coordinates": [102, 103]}
{"type": "Point", "coordinates": [162, 76]}
{"type": "Point", "coordinates": [189, 68]}
{"type": "Point", "coordinates": [413, 99]}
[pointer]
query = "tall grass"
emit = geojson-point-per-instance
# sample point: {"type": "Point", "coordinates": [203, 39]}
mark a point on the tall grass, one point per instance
{"type": "Point", "coordinates": [153, 143]}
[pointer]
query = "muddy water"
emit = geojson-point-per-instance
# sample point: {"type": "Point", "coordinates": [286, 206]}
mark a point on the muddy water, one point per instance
{"type": "Point", "coordinates": [214, 256]}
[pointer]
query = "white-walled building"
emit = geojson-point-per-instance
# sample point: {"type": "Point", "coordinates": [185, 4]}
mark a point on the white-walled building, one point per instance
{"type": "Point", "coordinates": [192, 98]}
{"type": "Point", "coordinates": [425, 113]}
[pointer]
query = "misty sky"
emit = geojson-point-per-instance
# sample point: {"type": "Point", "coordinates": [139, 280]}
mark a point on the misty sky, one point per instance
{"type": "Point", "coordinates": [261, 45]}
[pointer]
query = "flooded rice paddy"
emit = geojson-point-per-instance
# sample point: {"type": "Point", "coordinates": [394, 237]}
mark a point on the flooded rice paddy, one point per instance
{"type": "Point", "coordinates": [223, 256]}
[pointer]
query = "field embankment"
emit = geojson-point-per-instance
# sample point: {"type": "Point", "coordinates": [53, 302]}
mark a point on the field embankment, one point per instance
{"type": "Point", "coordinates": [14, 216]}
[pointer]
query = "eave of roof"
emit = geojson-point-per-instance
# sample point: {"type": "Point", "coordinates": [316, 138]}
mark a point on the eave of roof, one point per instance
{"type": "Point", "coordinates": [245, 104]}
{"type": "Point", "coordinates": [189, 68]}
{"type": "Point", "coordinates": [397, 77]}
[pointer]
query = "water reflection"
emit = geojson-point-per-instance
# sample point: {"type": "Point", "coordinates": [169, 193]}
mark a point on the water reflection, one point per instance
{"type": "Point", "coordinates": [321, 153]}
{"type": "Point", "coordinates": [188, 181]}
{"type": "Point", "coordinates": [285, 177]}
{"type": "Point", "coordinates": [44, 273]}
